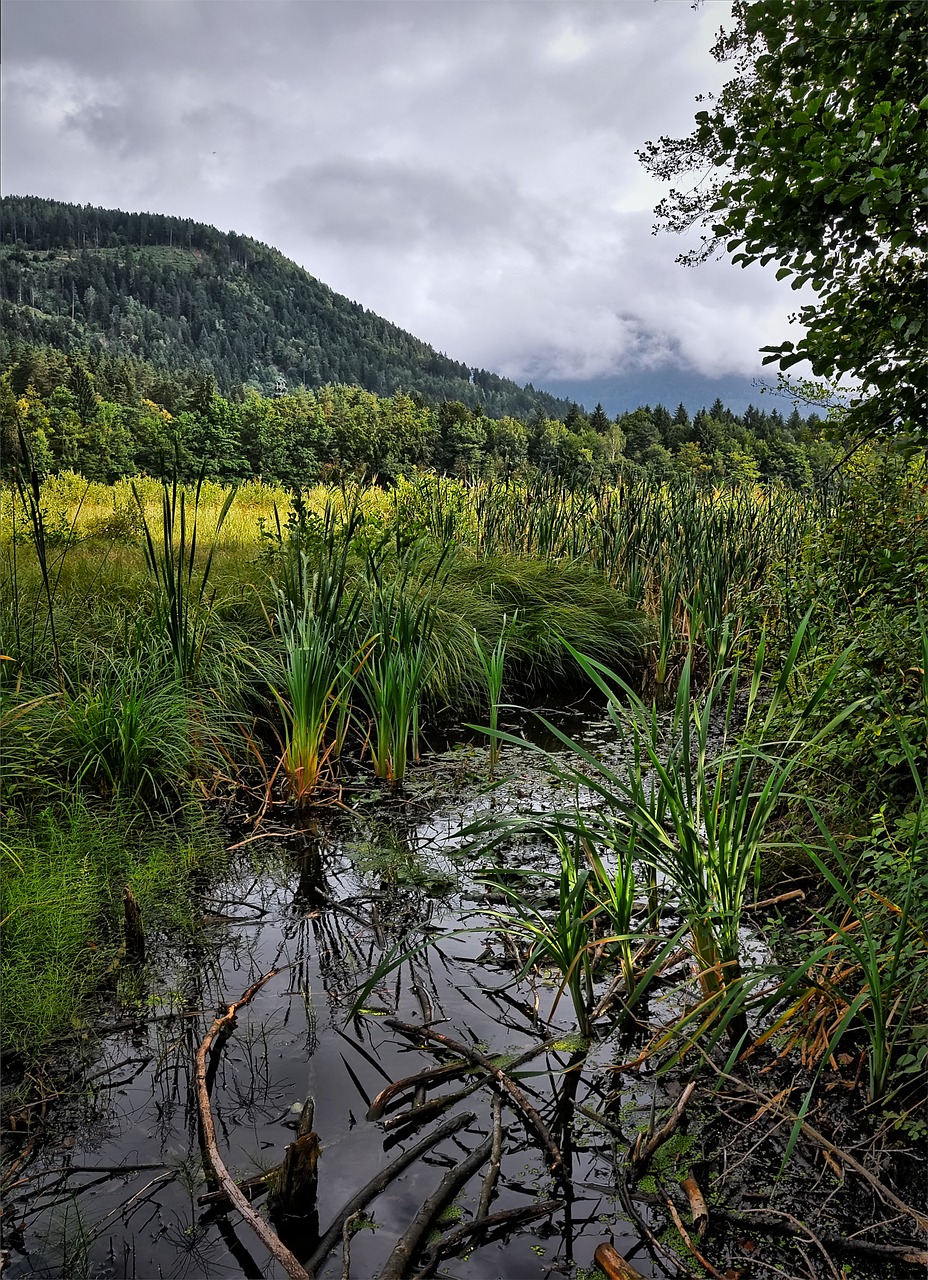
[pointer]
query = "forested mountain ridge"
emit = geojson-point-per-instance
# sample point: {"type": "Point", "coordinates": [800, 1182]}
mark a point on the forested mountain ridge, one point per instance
{"type": "Point", "coordinates": [176, 293]}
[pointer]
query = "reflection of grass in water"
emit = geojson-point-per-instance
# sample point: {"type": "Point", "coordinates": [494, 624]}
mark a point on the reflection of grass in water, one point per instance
{"type": "Point", "coordinates": [395, 863]}
{"type": "Point", "coordinates": [61, 913]}
{"type": "Point", "coordinates": [68, 1240]}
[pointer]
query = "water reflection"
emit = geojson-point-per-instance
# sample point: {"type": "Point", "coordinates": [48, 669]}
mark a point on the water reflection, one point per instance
{"type": "Point", "coordinates": [116, 1194]}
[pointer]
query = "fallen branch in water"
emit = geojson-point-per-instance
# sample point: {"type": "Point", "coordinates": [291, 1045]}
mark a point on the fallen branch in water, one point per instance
{"type": "Point", "coordinates": [346, 1243]}
{"type": "Point", "coordinates": [417, 1116]}
{"type": "Point", "coordinates": [265, 1233]}
{"type": "Point", "coordinates": [555, 1159]}
{"type": "Point", "coordinates": [378, 1183]}
{"type": "Point", "coordinates": [613, 1265]}
{"type": "Point", "coordinates": [249, 1187]}
{"type": "Point", "coordinates": [643, 1150]}
{"type": "Point", "coordinates": [433, 1075]}
{"type": "Point", "coordinates": [687, 1240]}
{"type": "Point", "coordinates": [397, 1265]}
{"type": "Point", "coordinates": [496, 1157]}
{"type": "Point", "coordinates": [505, 1220]}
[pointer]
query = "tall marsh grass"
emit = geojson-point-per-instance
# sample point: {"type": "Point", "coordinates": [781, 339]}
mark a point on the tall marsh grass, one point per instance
{"type": "Point", "coordinates": [60, 912]}
{"type": "Point", "coordinates": [616, 572]}
{"type": "Point", "coordinates": [181, 600]}
{"type": "Point", "coordinates": [317, 619]}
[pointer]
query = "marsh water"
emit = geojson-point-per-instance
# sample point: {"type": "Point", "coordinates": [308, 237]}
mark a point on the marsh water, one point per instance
{"type": "Point", "coordinates": [112, 1190]}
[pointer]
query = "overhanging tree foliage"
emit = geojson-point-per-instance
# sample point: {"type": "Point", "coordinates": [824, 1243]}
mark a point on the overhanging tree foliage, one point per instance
{"type": "Point", "coordinates": [820, 143]}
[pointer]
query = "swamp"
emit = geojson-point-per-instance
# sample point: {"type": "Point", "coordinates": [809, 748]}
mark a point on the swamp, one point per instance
{"type": "Point", "coordinates": [465, 878]}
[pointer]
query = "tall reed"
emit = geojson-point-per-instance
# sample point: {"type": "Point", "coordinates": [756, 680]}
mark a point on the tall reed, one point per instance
{"type": "Point", "coordinates": [563, 939]}
{"type": "Point", "coordinates": [702, 795]}
{"type": "Point", "coordinates": [29, 491]}
{"type": "Point", "coordinates": [403, 590]}
{"type": "Point", "coordinates": [317, 625]}
{"type": "Point", "coordinates": [182, 605]}
{"type": "Point", "coordinates": [493, 663]}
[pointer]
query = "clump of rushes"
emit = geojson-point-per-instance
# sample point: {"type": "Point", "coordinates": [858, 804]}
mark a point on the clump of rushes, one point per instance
{"type": "Point", "coordinates": [30, 496]}
{"type": "Point", "coordinates": [563, 940]}
{"type": "Point", "coordinates": [317, 676]}
{"type": "Point", "coordinates": [182, 606]}
{"type": "Point", "coordinates": [700, 799]}
{"type": "Point", "coordinates": [402, 597]}
{"type": "Point", "coordinates": [614, 892]}
{"type": "Point", "coordinates": [591, 918]}
{"type": "Point", "coordinates": [124, 732]}
{"type": "Point", "coordinates": [317, 613]}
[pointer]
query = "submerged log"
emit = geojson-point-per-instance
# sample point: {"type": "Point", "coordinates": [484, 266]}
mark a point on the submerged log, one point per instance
{"type": "Point", "coordinates": [379, 1182]}
{"type": "Point", "coordinates": [550, 1147]}
{"type": "Point", "coordinates": [482, 1229]}
{"type": "Point", "coordinates": [433, 1075]}
{"type": "Point", "coordinates": [397, 1265]}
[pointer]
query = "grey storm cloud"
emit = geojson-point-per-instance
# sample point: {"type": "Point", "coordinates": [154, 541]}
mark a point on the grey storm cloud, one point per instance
{"type": "Point", "coordinates": [398, 205]}
{"type": "Point", "coordinates": [465, 168]}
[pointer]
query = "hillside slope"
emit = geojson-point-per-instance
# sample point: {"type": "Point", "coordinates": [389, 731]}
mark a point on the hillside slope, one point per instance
{"type": "Point", "coordinates": [177, 293]}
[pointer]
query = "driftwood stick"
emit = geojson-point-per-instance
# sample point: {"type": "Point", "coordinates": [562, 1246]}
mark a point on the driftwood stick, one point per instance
{"type": "Point", "coordinates": [629, 1203]}
{"type": "Point", "coordinates": [603, 1121]}
{"type": "Point", "coordinates": [418, 1115]}
{"type": "Point", "coordinates": [262, 1230]}
{"type": "Point", "coordinates": [791, 896]}
{"type": "Point", "coordinates": [377, 1184]}
{"type": "Point", "coordinates": [433, 1075]}
{"type": "Point", "coordinates": [685, 1237]}
{"type": "Point", "coordinates": [555, 1159]}
{"type": "Point", "coordinates": [249, 1187]}
{"type": "Point", "coordinates": [496, 1156]}
{"type": "Point", "coordinates": [643, 1151]}
{"type": "Point", "coordinates": [397, 1265]}
{"type": "Point", "coordinates": [698, 1206]}
{"type": "Point", "coordinates": [464, 1236]}
{"type": "Point", "coordinates": [346, 1243]}
{"type": "Point", "coordinates": [613, 1265]}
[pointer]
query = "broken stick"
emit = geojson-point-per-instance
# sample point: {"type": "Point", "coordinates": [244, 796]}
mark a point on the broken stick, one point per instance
{"type": "Point", "coordinates": [397, 1265]}
{"type": "Point", "coordinates": [377, 1184]}
{"type": "Point", "coordinates": [555, 1159]}
{"type": "Point", "coordinates": [613, 1265]}
{"type": "Point", "coordinates": [643, 1151]}
{"type": "Point", "coordinates": [265, 1233]}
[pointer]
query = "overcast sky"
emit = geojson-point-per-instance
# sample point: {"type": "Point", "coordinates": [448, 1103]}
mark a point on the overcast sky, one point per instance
{"type": "Point", "coordinates": [465, 168]}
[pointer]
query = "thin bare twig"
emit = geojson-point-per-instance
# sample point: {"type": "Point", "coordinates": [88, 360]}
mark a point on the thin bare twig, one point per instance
{"type": "Point", "coordinates": [555, 1159]}
{"type": "Point", "coordinates": [262, 1230]}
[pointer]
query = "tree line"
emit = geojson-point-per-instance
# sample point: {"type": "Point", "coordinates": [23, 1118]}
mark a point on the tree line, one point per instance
{"type": "Point", "coordinates": [107, 416]}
